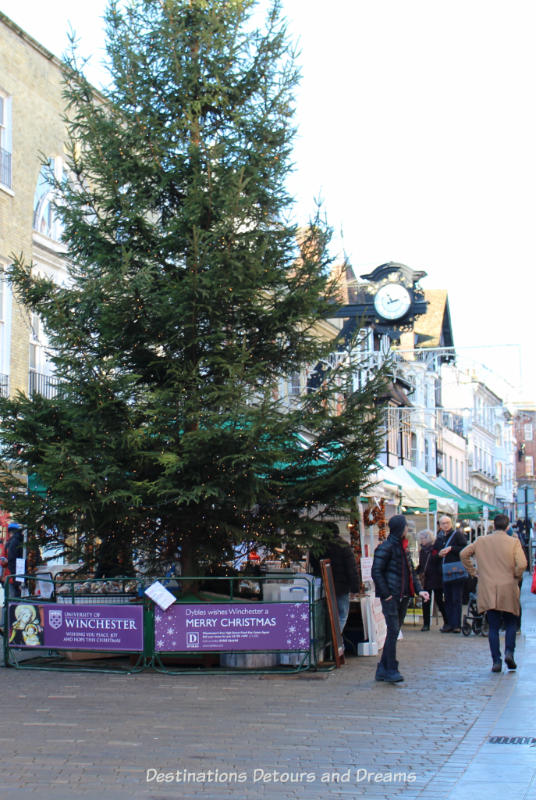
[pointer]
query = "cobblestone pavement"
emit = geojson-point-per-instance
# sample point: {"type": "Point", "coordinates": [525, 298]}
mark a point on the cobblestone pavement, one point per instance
{"type": "Point", "coordinates": [339, 734]}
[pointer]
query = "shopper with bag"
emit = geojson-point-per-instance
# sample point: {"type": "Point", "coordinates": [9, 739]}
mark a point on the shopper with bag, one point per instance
{"type": "Point", "coordinates": [500, 563]}
{"type": "Point", "coordinates": [449, 544]}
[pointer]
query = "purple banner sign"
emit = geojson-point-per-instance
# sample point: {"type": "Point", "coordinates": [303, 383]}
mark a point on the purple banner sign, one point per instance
{"type": "Point", "coordinates": [232, 626]}
{"type": "Point", "coordinates": [65, 627]}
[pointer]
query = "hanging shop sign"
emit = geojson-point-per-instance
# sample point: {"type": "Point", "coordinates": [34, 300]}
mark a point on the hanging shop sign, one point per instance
{"type": "Point", "coordinates": [56, 626]}
{"type": "Point", "coordinates": [233, 626]}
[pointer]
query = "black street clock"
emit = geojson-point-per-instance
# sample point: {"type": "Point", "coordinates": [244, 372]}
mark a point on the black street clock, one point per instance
{"type": "Point", "coordinates": [389, 298]}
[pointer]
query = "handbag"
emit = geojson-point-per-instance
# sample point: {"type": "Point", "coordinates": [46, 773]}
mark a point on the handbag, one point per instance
{"type": "Point", "coordinates": [533, 587]}
{"type": "Point", "coordinates": [453, 570]}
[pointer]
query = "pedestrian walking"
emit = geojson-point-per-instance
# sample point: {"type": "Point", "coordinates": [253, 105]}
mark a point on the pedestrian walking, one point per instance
{"type": "Point", "coordinates": [500, 562]}
{"type": "Point", "coordinates": [395, 581]}
{"type": "Point", "coordinates": [449, 544]}
{"type": "Point", "coordinates": [430, 576]}
{"type": "Point", "coordinates": [344, 571]}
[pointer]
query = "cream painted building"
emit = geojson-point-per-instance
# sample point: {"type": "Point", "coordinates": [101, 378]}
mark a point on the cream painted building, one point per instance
{"type": "Point", "coordinates": [455, 453]}
{"type": "Point", "coordinates": [488, 427]}
{"type": "Point", "coordinates": [31, 126]}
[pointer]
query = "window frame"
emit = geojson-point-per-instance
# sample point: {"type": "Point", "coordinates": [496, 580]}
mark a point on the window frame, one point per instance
{"type": "Point", "coordinates": [6, 140]}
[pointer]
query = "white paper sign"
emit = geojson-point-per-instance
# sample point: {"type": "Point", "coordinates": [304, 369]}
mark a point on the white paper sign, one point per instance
{"type": "Point", "coordinates": [20, 567]}
{"type": "Point", "coordinates": [45, 588]}
{"type": "Point", "coordinates": [160, 595]}
{"type": "Point", "coordinates": [378, 621]}
{"type": "Point", "coordinates": [366, 566]}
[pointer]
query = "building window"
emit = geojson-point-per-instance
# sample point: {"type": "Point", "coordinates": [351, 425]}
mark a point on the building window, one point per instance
{"type": "Point", "coordinates": [46, 220]}
{"type": "Point", "coordinates": [414, 450]}
{"type": "Point", "coordinates": [529, 466]}
{"type": "Point", "coordinates": [5, 141]}
{"type": "Point", "coordinates": [40, 377]}
{"type": "Point", "coordinates": [35, 344]}
{"type": "Point", "coordinates": [527, 432]}
{"type": "Point", "coordinates": [294, 385]}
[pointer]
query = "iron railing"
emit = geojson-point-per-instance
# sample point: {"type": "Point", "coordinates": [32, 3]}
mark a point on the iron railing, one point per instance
{"type": "Point", "coordinates": [45, 385]}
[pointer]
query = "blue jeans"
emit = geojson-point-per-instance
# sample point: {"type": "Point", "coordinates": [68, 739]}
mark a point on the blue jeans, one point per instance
{"type": "Point", "coordinates": [453, 591]}
{"type": "Point", "coordinates": [394, 612]}
{"type": "Point", "coordinates": [510, 623]}
{"type": "Point", "coordinates": [343, 607]}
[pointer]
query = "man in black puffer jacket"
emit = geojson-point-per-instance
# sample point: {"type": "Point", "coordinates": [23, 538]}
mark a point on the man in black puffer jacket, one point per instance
{"type": "Point", "coordinates": [396, 581]}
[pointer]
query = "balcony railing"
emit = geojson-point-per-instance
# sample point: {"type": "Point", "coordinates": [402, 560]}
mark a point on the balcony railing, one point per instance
{"type": "Point", "coordinates": [45, 385]}
{"type": "Point", "coordinates": [454, 422]}
{"type": "Point", "coordinates": [4, 385]}
{"type": "Point", "coordinates": [480, 472]}
{"type": "Point", "coordinates": [367, 363]}
{"type": "Point", "coordinates": [5, 167]}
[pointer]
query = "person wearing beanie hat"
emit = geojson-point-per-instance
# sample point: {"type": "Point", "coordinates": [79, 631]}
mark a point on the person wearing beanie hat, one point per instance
{"type": "Point", "coordinates": [395, 581]}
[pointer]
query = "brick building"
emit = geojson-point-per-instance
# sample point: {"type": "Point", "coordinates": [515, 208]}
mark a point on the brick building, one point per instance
{"type": "Point", "coordinates": [525, 444]}
{"type": "Point", "coordinates": [525, 438]}
{"type": "Point", "coordinates": [31, 126]}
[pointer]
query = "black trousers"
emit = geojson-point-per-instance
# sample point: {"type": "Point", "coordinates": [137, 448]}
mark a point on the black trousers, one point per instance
{"type": "Point", "coordinates": [394, 612]}
{"type": "Point", "coordinates": [427, 606]}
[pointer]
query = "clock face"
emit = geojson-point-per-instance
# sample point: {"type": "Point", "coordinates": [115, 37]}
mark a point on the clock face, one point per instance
{"type": "Point", "coordinates": [392, 301]}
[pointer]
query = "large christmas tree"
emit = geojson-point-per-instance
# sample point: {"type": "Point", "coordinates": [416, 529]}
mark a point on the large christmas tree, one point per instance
{"type": "Point", "coordinates": [191, 303]}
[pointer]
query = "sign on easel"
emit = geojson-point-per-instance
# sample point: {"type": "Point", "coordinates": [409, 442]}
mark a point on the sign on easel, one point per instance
{"type": "Point", "coordinates": [333, 611]}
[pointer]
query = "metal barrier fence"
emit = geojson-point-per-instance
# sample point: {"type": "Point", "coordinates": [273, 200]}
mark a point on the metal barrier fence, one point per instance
{"type": "Point", "coordinates": [75, 625]}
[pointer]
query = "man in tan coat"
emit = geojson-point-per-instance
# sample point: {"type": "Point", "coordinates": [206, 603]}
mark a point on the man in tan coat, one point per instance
{"type": "Point", "coordinates": [500, 564]}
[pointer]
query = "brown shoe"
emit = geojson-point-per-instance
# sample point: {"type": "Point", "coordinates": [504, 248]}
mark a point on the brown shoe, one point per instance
{"type": "Point", "coordinates": [497, 666]}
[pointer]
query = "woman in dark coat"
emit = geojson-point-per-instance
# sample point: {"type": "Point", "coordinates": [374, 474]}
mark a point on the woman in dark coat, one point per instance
{"type": "Point", "coordinates": [431, 577]}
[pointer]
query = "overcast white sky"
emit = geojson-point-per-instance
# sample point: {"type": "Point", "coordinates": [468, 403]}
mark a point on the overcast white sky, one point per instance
{"type": "Point", "coordinates": [417, 128]}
